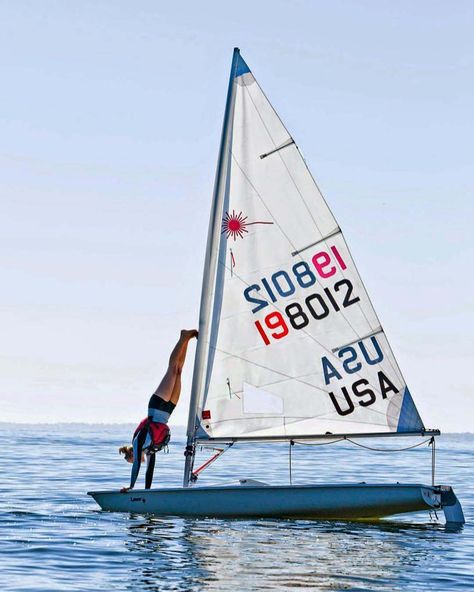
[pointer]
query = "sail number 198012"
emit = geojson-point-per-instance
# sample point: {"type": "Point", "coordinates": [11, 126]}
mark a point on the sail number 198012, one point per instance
{"type": "Point", "coordinates": [317, 305]}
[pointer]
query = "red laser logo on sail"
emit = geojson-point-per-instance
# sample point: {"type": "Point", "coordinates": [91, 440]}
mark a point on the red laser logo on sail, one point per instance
{"type": "Point", "coordinates": [235, 225]}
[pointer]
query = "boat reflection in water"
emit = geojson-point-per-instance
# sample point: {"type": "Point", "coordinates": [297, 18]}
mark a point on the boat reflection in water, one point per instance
{"type": "Point", "coordinates": [185, 554]}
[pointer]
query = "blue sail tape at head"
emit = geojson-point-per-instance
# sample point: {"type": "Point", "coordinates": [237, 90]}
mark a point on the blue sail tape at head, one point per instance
{"type": "Point", "coordinates": [241, 68]}
{"type": "Point", "coordinates": [409, 419]}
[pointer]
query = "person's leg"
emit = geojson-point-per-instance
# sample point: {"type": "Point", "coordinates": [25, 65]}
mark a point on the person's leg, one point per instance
{"type": "Point", "coordinates": [175, 393]}
{"type": "Point", "coordinates": [166, 387]}
{"type": "Point", "coordinates": [150, 458]}
{"type": "Point", "coordinates": [177, 383]}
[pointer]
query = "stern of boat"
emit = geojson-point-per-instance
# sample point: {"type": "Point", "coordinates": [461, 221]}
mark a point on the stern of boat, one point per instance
{"type": "Point", "coordinates": [450, 504]}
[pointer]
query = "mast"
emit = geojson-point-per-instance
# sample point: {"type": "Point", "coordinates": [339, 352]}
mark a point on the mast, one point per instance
{"type": "Point", "coordinates": [209, 273]}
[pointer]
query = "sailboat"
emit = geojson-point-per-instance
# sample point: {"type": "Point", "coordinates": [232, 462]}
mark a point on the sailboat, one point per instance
{"type": "Point", "coordinates": [290, 347]}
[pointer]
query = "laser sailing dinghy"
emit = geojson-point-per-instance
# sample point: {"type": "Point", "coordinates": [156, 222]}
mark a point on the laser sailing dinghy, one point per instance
{"type": "Point", "coordinates": [290, 347]}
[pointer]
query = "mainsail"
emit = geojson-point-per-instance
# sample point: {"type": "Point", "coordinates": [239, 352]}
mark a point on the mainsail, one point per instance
{"type": "Point", "coordinates": [290, 344]}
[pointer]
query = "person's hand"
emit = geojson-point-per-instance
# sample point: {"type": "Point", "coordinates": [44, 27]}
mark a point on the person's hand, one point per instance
{"type": "Point", "coordinates": [124, 489]}
{"type": "Point", "coordinates": [189, 333]}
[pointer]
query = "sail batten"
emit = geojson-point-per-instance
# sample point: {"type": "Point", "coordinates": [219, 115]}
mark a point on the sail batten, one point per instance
{"type": "Point", "coordinates": [360, 337]}
{"type": "Point", "coordinates": [316, 243]}
{"type": "Point", "coordinates": [294, 345]}
{"type": "Point", "coordinates": [284, 145]}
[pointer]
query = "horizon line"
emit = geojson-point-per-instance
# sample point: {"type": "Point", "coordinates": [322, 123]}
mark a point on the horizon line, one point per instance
{"type": "Point", "coordinates": [126, 423]}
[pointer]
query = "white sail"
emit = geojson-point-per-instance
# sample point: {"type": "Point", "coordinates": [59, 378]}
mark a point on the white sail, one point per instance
{"type": "Point", "coordinates": [292, 345]}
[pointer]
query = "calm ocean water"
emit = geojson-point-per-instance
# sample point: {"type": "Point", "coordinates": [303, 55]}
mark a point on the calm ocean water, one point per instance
{"type": "Point", "coordinates": [54, 537]}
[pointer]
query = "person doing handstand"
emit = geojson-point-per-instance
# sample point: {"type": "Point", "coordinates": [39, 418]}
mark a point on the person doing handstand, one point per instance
{"type": "Point", "coordinates": [153, 433]}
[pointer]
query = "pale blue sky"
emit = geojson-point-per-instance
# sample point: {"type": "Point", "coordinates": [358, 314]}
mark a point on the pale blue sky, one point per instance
{"type": "Point", "coordinates": [110, 115]}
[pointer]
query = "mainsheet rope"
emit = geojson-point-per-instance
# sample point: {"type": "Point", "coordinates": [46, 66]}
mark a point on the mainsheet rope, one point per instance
{"type": "Point", "coordinates": [429, 441]}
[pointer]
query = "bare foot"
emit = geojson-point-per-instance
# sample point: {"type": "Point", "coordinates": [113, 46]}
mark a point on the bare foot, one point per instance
{"type": "Point", "coordinates": [124, 489]}
{"type": "Point", "coordinates": [189, 333]}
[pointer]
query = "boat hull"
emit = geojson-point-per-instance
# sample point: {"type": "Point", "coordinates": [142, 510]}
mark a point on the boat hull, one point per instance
{"type": "Point", "coordinates": [351, 501]}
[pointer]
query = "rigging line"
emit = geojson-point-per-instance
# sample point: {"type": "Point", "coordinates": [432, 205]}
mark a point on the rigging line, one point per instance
{"type": "Point", "coordinates": [315, 184]}
{"type": "Point", "coordinates": [274, 144]}
{"type": "Point", "coordinates": [362, 445]}
{"type": "Point", "coordinates": [433, 459]}
{"type": "Point", "coordinates": [318, 443]}
{"type": "Point", "coordinates": [291, 443]}
{"type": "Point", "coordinates": [214, 457]}
{"type": "Point", "coordinates": [387, 449]}
{"type": "Point", "coordinates": [358, 336]}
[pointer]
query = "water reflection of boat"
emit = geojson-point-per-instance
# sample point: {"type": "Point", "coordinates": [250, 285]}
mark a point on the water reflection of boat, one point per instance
{"type": "Point", "coordinates": [181, 554]}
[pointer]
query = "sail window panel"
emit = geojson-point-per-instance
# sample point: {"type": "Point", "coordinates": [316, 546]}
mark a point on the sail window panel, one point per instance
{"type": "Point", "coordinates": [257, 400]}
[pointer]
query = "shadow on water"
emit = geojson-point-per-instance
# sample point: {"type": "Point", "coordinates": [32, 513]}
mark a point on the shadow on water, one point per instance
{"type": "Point", "coordinates": [187, 554]}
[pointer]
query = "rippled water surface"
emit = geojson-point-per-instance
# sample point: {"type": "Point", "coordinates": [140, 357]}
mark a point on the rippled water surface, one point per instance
{"type": "Point", "coordinates": [54, 537]}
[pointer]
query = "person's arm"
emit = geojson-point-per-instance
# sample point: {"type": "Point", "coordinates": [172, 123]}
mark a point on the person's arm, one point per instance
{"type": "Point", "coordinates": [137, 460]}
{"type": "Point", "coordinates": [150, 467]}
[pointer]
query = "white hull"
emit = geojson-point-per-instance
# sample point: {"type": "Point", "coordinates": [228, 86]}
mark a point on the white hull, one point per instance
{"type": "Point", "coordinates": [351, 501]}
